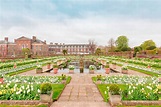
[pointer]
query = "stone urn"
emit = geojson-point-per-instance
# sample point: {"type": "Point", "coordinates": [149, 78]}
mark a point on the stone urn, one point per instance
{"type": "Point", "coordinates": [159, 78]}
{"type": "Point", "coordinates": [46, 93]}
{"type": "Point", "coordinates": [107, 70]}
{"type": "Point", "coordinates": [91, 71]}
{"type": "Point", "coordinates": [48, 65]}
{"type": "Point", "coordinates": [1, 80]}
{"type": "Point", "coordinates": [45, 98]}
{"type": "Point", "coordinates": [55, 70]}
{"type": "Point", "coordinates": [71, 71]}
{"type": "Point", "coordinates": [114, 100]}
{"type": "Point", "coordinates": [38, 70]}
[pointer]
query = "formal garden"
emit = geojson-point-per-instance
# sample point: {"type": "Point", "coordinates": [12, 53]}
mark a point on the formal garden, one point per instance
{"type": "Point", "coordinates": [112, 75]}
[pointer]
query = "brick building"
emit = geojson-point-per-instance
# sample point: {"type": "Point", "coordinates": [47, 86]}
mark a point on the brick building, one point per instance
{"type": "Point", "coordinates": [6, 47]}
{"type": "Point", "coordinates": [34, 45]}
{"type": "Point", "coordinates": [71, 48]}
{"type": "Point", "coordinates": [40, 48]}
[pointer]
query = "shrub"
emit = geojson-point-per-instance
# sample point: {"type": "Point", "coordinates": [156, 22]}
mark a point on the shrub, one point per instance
{"type": "Point", "coordinates": [39, 67]}
{"type": "Point", "coordinates": [114, 63]}
{"type": "Point", "coordinates": [55, 66]}
{"type": "Point", "coordinates": [124, 68]}
{"type": "Point", "coordinates": [1, 76]}
{"type": "Point", "coordinates": [114, 89]}
{"type": "Point", "coordinates": [63, 76]}
{"type": "Point", "coordinates": [107, 66]}
{"type": "Point", "coordinates": [45, 88]}
{"type": "Point", "coordinates": [99, 77]}
{"type": "Point", "coordinates": [92, 67]}
{"type": "Point", "coordinates": [71, 67]}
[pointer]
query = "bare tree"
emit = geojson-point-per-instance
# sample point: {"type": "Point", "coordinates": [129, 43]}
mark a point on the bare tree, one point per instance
{"type": "Point", "coordinates": [111, 44]}
{"type": "Point", "coordinates": [92, 45]}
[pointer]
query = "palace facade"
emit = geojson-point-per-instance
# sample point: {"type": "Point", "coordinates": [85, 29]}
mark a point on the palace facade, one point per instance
{"type": "Point", "coordinates": [36, 47]}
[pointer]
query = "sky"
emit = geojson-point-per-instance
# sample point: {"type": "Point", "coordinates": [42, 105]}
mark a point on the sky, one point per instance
{"type": "Point", "coordinates": [77, 21]}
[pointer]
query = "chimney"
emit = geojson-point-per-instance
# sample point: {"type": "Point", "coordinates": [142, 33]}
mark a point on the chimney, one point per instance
{"type": "Point", "coordinates": [6, 39]}
{"type": "Point", "coordinates": [34, 38]}
{"type": "Point", "coordinates": [45, 41]}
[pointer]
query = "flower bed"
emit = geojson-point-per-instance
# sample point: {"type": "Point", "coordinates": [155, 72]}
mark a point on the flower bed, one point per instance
{"type": "Point", "coordinates": [28, 87]}
{"type": "Point", "coordinates": [126, 79]}
{"type": "Point", "coordinates": [32, 79]}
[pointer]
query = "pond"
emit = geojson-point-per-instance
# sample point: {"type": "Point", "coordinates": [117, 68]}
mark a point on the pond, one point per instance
{"type": "Point", "coordinates": [87, 63]}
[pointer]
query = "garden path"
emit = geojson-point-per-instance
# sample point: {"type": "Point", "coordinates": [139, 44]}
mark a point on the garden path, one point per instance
{"type": "Point", "coordinates": [81, 92]}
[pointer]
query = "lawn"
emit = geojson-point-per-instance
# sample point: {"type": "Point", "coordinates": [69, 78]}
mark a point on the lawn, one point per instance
{"type": "Point", "coordinates": [140, 106]}
{"type": "Point", "coordinates": [57, 90]}
{"type": "Point", "coordinates": [103, 87]}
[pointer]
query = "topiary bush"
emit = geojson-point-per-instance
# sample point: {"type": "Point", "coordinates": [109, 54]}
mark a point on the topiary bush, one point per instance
{"type": "Point", "coordinates": [46, 88]}
{"type": "Point", "coordinates": [99, 77]}
{"type": "Point", "coordinates": [114, 89]}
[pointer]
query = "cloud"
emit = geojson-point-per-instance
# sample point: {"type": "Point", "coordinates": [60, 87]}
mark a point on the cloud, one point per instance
{"type": "Point", "coordinates": [77, 21]}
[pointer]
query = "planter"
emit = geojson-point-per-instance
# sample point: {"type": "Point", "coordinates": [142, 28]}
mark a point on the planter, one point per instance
{"type": "Point", "coordinates": [45, 98]}
{"type": "Point", "coordinates": [107, 70]}
{"type": "Point", "coordinates": [125, 71]}
{"type": "Point", "coordinates": [114, 100]}
{"type": "Point", "coordinates": [55, 70]}
{"type": "Point", "coordinates": [71, 71]}
{"type": "Point", "coordinates": [91, 71]}
{"type": "Point", "coordinates": [1, 80]}
{"type": "Point", "coordinates": [159, 79]}
{"type": "Point", "coordinates": [38, 71]}
{"type": "Point", "coordinates": [48, 66]}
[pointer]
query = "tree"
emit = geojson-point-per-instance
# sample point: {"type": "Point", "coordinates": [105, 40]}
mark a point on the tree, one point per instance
{"type": "Point", "coordinates": [98, 51]}
{"type": "Point", "coordinates": [65, 52]}
{"type": "Point", "coordinates": [148, 45]}
{"type": "Point", "coordinates": [122, 43]}
{"type": "Point", "coordinates": [26, 52]}
{"type": "Point", "coordinates": [111, 44]}
{"type": "Point", "coordinates": [92, 46]}
{"type": "Point", "coordinates": [137, 49]}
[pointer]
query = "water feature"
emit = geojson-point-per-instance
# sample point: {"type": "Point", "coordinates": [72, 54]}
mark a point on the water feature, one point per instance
{"type": "Point", "coordinates": [86, 64]}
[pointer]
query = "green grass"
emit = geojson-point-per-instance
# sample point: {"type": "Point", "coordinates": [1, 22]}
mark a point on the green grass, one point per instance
{"type": "Point", "coordinates": [143, 71]}
{"type": "Point", "coordinates": [103, 87]}
{"type": "Point", "coordinates": [94, 79]}
{"type": "Point", "coordinates": [4, 105]}
{"type": "Point", "coordinates": [68, 79]}
{"type": "Point", "coordinates": [57, 90]}
{"type": "Point", "coordinates": [21, 71]}
{"type": "Point", "coordinates": [141, 106]}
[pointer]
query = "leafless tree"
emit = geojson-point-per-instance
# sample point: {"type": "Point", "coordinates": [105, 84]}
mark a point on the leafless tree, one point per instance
{"type": "Point", "coordinates": [111, 44]}
{"type": "Point", "coordinates": [92, 45]}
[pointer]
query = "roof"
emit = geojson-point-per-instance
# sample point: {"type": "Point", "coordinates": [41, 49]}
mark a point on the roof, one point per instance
{"type": "Point", "coordinates": [3, 42]}
{"type": "Point", "coordinates": [37, 41]}
{"type": "Point", "coordinates": [23, 38]}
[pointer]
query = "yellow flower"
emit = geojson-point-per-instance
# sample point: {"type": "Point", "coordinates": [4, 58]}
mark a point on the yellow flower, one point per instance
{"type": "Point", "coordinates": [159, 86]}
{"type": "Point", "coordinates": [0, 92]}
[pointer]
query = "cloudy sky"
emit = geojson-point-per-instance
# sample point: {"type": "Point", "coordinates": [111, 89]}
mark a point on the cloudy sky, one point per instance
{"type": "Point", "coordinates": [77, 21]}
